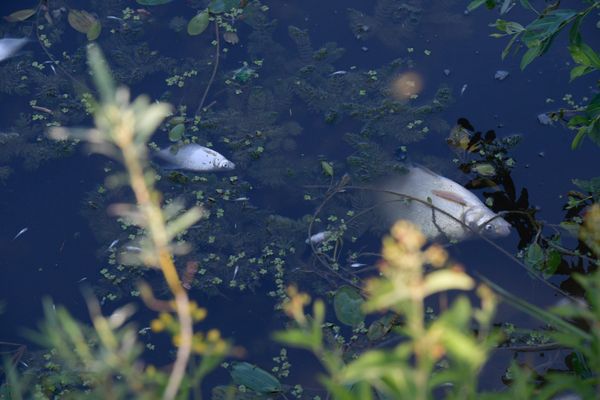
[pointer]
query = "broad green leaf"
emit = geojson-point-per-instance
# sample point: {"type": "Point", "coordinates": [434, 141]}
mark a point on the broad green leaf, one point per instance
{"type": "Point", "coordinates": [546, 26]}
{"type": "Point", "coordinates": [347, 303]}
{"type": "Point", "coordinates": [585, 55]}
{"type": "Point", "coordinates": [327, 168]}
{"type": "Point", "coordinates": [198, 24]}
{"type": "Point", "coordinates": [553, 259]}
{"type": "Point", "coordinates": [534, 256]}
{"type": "Point", "coordinates": [593, 108]}
{"type": "Point", "coordinates": [254, 378]}
{"type": "Point", "coordinates": [176, 133]}
{"type": "Point", "coordinates": [81, 20]}
{"type": "Point", "coordinates": [94, 31]}
{"type": "Point", "coordinates": [578, 138]}
{"type": "Point", "coordinates": [529, 56]}
{"type": "Point", "coordinates": [21, 15]}
{"type": "Point", "coordinates": [574, 34]}
{"type": "Point", "coordinates": [153, 2]}
{"type": "Point", "coordinates": [579, 70]}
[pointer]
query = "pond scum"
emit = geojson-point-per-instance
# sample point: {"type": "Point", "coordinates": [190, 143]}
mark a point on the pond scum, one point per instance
{"type": "Point", "coordinates": [383, 341]}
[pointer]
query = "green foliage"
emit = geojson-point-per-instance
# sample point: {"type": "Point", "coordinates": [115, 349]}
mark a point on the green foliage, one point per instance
{"type": "Point", "coordinates": [538, 36]}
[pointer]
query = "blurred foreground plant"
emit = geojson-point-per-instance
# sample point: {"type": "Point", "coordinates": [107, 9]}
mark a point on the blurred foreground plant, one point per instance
{"type": "Point", "coordinates": [105, 359]}
{"type": "Point", "coordinates": [441, 355]}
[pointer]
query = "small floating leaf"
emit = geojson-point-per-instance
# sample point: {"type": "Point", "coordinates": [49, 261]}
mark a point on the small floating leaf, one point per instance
{"type": "Point", "coordinates": [81, 20]}
{"type": "Point", "coordinates": [534, 257]}
{"type": "Point", "coordinates": [484, 169]}
{"type": "Point", "coordinates": [94, 31]}
{"type": "Point", "coordinates": [176, 133]}
{"type": "Point", "coordinates": [347, 303]}
{"type": "Point", "coordinates": [153, 2]}
{"type": "Point", "coordinates": [21, 15]}
{"type": "Point", "coordinates": [198, 24]}
{"type": "Point", "coordinates": [379, 328]}
{"type": "Point", "coordinates": [254, 378]}
{"type": "Point", "coordinates": [327, 168]}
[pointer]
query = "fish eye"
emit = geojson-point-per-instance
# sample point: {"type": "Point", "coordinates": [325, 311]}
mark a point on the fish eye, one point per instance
{"type": "Point", "coordinates": [488, 227]}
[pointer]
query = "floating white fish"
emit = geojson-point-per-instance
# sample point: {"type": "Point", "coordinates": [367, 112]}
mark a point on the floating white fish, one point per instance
{"type": "Point", "coordinates": [22, 231]}
{"type": "Point", "coordinates": [357, 265]}
{"type": "Point", "coordinates": [9, 46]}
{"type": "Point", "coordinates": [446, 195]}
{"type": "Point", "coordinates": [194, 157]}
{"type": "Point", "coordinates": [318, 237]}
{"type": "Point", "coordinates": [463, 89]}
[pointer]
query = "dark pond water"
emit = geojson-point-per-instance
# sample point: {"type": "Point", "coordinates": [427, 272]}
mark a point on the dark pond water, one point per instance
{"type": "Point", "coordinates": [296, 101]}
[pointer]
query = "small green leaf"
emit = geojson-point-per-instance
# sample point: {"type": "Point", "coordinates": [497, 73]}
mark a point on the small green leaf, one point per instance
{"type": "Point", "coordinates": [81, 20]}
{"type": "Point", "coordinates": [327, 168]}
{"type": "Point", "coordinates": [553, 260]}
{"type": "Point", "coordinates": [153, 2]}
{"type": "Point", "coordinates": [21, 15]}
{"type": "Point", "coordinates": [347, 303]}
{"type": "Point", "coordinates": [534, 256]}
{"type": "Point", "coordinates": [529, 56]}
{"type": "Point", "coordinates": [579, 70]}
{"type": "Point", "coordinates": [475, 4]}
{"type": "Point", "coordinates": [254, 378]}
{"type": "Point", "coordinates": [177, 132]}
{"type": "Point", "coordinates": [198, 24]}
{"type": "Point", "coordinates": [94, 31]}
{"type": "Point", "coordinates": [578, 138]}
{"type": "Point", "coordinates": [484, 169]}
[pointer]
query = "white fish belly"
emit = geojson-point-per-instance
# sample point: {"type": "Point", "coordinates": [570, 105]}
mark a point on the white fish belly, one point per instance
{"type": "Point", "coordinates": [421, 184]}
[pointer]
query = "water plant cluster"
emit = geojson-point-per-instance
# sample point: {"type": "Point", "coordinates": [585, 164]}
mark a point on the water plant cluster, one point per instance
{"type": "Point", "coordinates": [385, 323]}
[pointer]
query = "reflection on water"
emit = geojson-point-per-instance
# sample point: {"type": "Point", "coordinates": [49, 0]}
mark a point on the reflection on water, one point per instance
{"type": "Point", "coordinates": [324, 98]}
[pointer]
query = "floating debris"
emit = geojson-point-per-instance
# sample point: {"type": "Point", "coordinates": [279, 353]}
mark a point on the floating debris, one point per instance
{"type": "Point", "coordinates": [231, 37]}
{"type": "Point", "coordinates": [9, 46]}
{"type": "Point", "coordinates": [501, 75]}
{"type": "Point", "coordinates": [447, 72]}
{"type": "Point", "coordinates": [428, 190]}
{"type": "Point", "coordinates": [544, 119]}
{"type": "Point", "coordinates": [194, 157]}
{"type": "Point", "coordinates": [318, 237]}
{"type": "Point", "coordinates": [22, 231]}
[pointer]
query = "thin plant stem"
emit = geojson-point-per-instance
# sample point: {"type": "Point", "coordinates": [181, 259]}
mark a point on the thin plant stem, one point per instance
{"type": "Point", "coordinates": [214, 71]}
{"type": "Point", "coordinates": [148, 204]}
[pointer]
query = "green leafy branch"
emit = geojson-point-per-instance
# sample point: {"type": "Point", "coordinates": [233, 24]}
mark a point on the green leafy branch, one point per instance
{"type": "Point", "coordinates": [538, 37]}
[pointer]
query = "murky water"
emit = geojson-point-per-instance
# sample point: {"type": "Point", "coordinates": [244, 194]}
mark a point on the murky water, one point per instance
{"type": "Point", "coordinates": [300, 112]}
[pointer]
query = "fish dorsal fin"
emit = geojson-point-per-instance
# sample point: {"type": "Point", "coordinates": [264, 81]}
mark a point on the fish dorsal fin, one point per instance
{"type": "Point", "coordinates": [450, 196]}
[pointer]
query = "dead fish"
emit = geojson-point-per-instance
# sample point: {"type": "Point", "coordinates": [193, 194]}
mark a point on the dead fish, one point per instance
{"type": "Point", "coordinates": [318, 237]}
{"type": "Point", "coordinates": [463, 89]}
{"type": "Point", "coordinates": [357, 265]}
{"type": "Point", "coordinates": [194, 157]}
{"type": "Point", "coordinates": [9, 46]}
{"type": "Point", "coordinates": [446, 195]}
{"type": "Point", "coordinates": [235, 272]}
{"type": "Point", "coordinates": [22, 231]}
{"type": "Point", "coordinates": [112, 244]}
